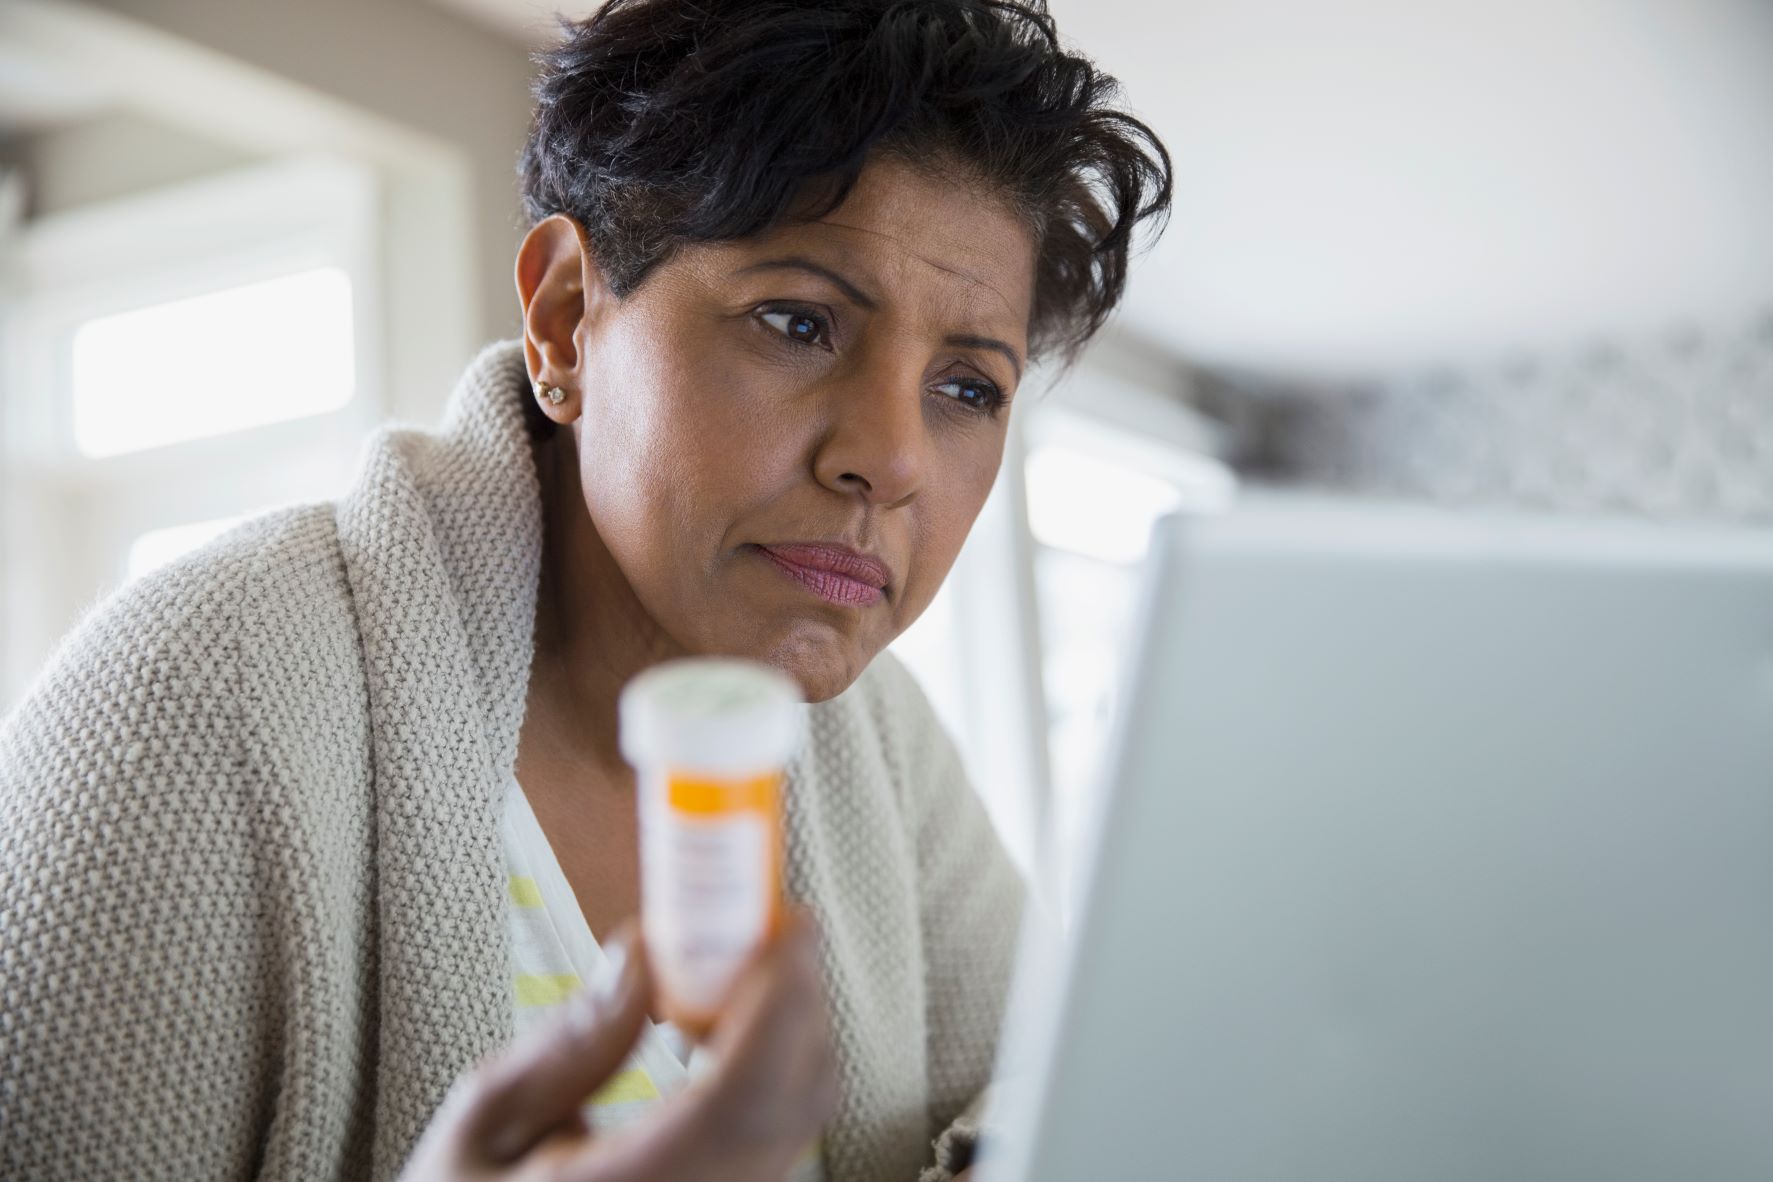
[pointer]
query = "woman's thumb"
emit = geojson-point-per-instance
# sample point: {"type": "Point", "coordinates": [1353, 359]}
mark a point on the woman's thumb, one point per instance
{"type": "Point", "coordinates": [544, 1079]}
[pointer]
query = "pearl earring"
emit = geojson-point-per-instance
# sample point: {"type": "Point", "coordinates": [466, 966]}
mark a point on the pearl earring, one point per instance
{"type": "Point", "coordinates": [554, 394]}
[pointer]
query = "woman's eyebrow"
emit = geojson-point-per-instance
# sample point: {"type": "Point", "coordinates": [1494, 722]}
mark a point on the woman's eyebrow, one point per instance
{"type": "Point", "coordinates": [992, 343]}
{"type": "Point", "coordinates": [796, 263]}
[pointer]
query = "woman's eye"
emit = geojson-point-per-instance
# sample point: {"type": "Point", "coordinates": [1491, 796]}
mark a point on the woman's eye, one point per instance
{"type": "Point", "coordinates": [971, 392]}
{"type": "Point", "coordinates": [798, 326]}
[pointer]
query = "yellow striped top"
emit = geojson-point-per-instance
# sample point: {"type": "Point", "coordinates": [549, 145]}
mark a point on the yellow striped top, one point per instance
{"type": "Point", "coordinates": [553, 954]}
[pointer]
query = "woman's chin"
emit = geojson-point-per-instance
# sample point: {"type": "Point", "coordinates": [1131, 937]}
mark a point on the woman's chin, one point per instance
{"type": "Point", "coordinates": [822, 666]}
{"type": "Point", "coordinates": [823, 651]}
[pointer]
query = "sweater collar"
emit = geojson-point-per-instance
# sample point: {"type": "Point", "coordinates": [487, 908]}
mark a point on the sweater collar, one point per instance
{"type": "Point", "coordinates": [441, 540]}
{"type": "Point", "coordinates": [486, 501]}
{"type": "Point", "coordinates": [446, 524]}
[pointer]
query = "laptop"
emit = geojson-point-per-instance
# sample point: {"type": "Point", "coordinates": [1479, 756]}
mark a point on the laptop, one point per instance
{"type": "Point", "coordinates": [1430, 848]}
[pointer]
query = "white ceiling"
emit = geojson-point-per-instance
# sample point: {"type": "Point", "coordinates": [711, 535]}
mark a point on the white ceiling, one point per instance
{"type": "Point", "coordinates": [34, 95]}
{"type": "Point", "coordinates": [1366, 183]}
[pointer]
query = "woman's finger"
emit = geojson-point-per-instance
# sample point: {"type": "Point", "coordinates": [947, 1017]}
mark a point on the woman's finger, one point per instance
{"type": "Point", "coordinates": [780, 982]}
{"type": "Point", "coordinates": [770, 1087]}
{"type": "Point", "coordinates": [544, 1080]}
{"type": "Point", "coordinates": [773, 1082]}
{"type": "Point", "coordinates": [773, 1039]}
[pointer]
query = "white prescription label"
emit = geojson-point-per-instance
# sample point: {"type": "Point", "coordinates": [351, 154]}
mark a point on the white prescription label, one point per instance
{"type": "Point", "coordinates": [707, 879]}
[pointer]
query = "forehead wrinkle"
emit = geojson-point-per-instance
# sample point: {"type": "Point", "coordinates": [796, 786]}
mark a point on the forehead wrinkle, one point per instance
{"type": "Point", "coordinates": [909, 252]}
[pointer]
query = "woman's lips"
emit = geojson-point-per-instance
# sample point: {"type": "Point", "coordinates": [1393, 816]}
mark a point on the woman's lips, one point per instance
{"type": "Point", "coordinates": [812, 567]}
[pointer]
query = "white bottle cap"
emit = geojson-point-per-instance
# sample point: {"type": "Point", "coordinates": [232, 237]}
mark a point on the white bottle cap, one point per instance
{"type": "Point", "coordinates": [721, 716]}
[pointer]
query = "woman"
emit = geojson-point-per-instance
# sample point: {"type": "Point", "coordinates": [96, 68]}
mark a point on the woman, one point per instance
{"type": "Point", "coordinates": [280, 822]}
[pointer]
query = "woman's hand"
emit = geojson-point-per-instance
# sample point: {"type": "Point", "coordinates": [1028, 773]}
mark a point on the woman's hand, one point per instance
{"type": "Point", "coordinates": [770, 1089]}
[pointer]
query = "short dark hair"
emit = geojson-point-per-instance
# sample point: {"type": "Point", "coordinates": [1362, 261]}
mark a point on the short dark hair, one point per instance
{"type": "Point", "coordinates": [664, 122]}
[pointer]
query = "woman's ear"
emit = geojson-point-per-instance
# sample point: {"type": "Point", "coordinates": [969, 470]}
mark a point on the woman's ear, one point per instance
{"type": "Point", "coordinates": [561, 291]}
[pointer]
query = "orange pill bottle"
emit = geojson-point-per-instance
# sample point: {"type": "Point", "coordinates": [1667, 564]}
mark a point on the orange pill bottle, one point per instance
{"type": "Point", "coordinates": [709, 739]}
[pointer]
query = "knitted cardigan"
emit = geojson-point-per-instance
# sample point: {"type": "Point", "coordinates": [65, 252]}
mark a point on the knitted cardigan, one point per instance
{"type": "Point", "coordinates": [251, 885]}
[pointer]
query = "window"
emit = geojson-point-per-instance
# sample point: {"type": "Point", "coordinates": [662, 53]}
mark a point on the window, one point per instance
{"type": "Point", "coordinates": [1088, 580]}
{"type": "Point", "coordinates": [173, 361]}
{"type": "Point", "coordinates": [158, 547]}
{"type": "Point", "coordinates": [271, 351]}
{"type": "Point", "coordinates": [1082, 503]}
{"type": "Point", "coordinates": [1091, 519]}
{"type": "Point", "coordinates": [1023, 652]}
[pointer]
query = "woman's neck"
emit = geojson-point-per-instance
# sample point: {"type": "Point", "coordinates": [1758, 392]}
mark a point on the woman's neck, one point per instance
{"type": "Point", "coordinates": [591, 632]}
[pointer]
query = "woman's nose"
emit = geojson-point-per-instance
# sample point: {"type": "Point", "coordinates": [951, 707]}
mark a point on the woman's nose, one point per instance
{"type": "Point", "coordinates": [876, 442]}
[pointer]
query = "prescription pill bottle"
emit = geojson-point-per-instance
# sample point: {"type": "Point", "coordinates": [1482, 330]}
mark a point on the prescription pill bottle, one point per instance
{"type": "Point", "coordinates": [709, 738]}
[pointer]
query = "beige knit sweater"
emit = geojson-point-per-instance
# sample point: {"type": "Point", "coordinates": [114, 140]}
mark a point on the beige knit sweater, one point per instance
{"type": "Point", "coordinates": [251, 888]}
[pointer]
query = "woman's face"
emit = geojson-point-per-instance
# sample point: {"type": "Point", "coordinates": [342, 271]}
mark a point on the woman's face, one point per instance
{"type": "Point", "coordinates": [844, 381]}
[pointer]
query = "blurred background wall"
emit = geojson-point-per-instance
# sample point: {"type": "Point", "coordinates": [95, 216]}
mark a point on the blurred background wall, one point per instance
{"type": "Point", "coordinates": [236, 236]}
{"type": "Point", "coordinates": [1426, 250]}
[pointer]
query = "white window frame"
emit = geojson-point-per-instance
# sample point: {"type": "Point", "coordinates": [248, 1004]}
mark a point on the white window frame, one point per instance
{"type": "Point", "coordinates": [979, 649]}
{"type": "Point", "coordinates": [221, 231]}
{"type": "Point", "coordinates": [69, 518]}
